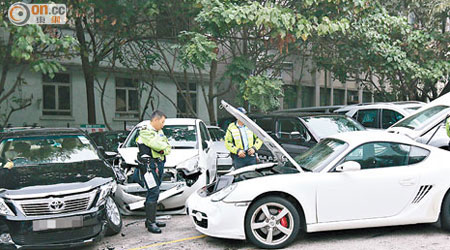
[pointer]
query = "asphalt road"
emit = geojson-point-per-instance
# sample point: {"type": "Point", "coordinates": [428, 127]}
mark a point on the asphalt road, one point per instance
{"type": "Point", "coordinates": [180, 234]}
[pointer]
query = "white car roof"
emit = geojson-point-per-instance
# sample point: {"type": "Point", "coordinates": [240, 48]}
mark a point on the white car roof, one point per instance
{"type": "Point", "coordinates": [360, 137]}
{"type": "Point", "coordinates": [392, 105]}
{"type": "Point", "coordinates": [173, 121]}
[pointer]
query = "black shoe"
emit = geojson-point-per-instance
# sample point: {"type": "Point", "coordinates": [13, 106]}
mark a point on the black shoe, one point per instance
{"type": "Point", "coordinates": [153, 228]}
{"type": "Point", "coordinates": [150, 222]}
{"type": "Point", "coordinates": [160, 224]}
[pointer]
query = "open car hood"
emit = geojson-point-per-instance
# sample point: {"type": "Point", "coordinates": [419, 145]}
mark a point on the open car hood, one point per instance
{"type": "Point", "coordinates": [278, 152]}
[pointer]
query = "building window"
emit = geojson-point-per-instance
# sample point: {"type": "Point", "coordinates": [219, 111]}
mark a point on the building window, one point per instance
{"type": "Point", "coordinates": [187, 89]}
{"type": "Point", "coordinates": [57, 95]}
{"type": "Point", "coordinates": [338, 97]}
{"type": "Point", "coordinates": [127, 98]}
{"type": "Point", "coordinates": [307, 96]}
{"type": "Point", "coordinates": [290, 96]}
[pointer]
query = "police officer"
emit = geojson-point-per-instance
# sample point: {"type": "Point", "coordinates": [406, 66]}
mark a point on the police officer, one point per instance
{"type": "Point", "coordinates": [242, 143]}
{"type": "Point", "coordinates": [153, 147]}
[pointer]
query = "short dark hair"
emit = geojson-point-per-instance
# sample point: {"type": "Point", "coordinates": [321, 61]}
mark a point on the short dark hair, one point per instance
{"type": "Point", "coordinates": [158, 114]}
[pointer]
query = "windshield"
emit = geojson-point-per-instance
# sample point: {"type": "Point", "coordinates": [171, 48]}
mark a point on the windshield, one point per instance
{"type": "Point", "coordinates": [317, 157]}
{"type": "Point", "coordinates": [423, 117]}
{"type": "Point", "coordinates": [178, 136]}
{"type": "Point", "coordinates": [324, 126]}
{"type": "Point", "coordinates": [46, 149]}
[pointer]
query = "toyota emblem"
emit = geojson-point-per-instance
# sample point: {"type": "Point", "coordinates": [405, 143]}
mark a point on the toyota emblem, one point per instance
{"type": "Point", "coordinates": [56, 205]}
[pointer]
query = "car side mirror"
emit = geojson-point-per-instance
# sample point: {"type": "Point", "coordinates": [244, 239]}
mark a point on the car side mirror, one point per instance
{"type": "Point", "coordinates": [348, 166]}
{"type": "Point", "coordinates": [205, 145]}
{"type": "Point", "coordinates": [295, 135]}
{"type": "Point", "coordinates": [110, 154]}
{"type": "Point", "coordinates": [120, 145]}
{"type": "Point", "coordinates": [101, 149]}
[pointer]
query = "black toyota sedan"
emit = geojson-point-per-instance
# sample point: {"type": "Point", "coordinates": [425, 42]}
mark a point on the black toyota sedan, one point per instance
{"type": "Point", "coordinates": [56, 190]}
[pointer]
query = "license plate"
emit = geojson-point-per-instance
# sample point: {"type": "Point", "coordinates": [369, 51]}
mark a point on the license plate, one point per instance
{"type": "Point", "coordinates": [59, 223]}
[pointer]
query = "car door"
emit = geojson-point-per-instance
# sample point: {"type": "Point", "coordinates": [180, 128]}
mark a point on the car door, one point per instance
{"type": "Point", "coordinates": [385, 185]}
{"type": "Point", "coordinates": [206, 155]}
{"type": "Point", "coordinates": [293, 136]}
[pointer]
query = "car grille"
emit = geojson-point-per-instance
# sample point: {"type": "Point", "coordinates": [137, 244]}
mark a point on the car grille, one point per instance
{"type": "Point", "coordinates": [66, 204]}
{"type": "Point", "coordinates": [53, 237]}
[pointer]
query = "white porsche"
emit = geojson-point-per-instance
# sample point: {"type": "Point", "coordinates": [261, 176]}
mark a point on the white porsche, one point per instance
{"type": "Point", "coordinates": [350, 180]}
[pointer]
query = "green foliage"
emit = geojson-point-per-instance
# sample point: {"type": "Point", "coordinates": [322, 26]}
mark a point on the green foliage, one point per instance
{"type": "Point", "coordinates": [263, 92]}
{"type": "Point", "coordinates": [197, 49]}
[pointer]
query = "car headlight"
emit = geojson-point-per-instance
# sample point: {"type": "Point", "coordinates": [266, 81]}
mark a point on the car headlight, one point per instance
{"type": "Point", "coordinates": [190, 165]}
{"type": "Point", "coordinates": [105, 190]}
{"type": "Point", "coordinates": [222, 194]}
{"type": "Point", "coordinates": [4, 209]}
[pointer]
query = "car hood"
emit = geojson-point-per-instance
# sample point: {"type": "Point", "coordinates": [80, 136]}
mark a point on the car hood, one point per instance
{"type": "Point", "coordinates": [278, 152]}
{"type": "Point", "coordinates": [52, 176]}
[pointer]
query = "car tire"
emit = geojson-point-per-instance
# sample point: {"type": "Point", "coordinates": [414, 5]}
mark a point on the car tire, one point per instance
{"type": "Point", "coordinates": [445, 213]}
{"type": "Point", "coordinates": [268, 231]}
{"type": "Point", "coordinates": [113, 217]}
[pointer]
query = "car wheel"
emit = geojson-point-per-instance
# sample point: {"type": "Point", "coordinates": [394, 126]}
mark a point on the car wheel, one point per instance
{"type": "Point", "coordinates": [445, 213]}
{"type": "Point", "coordinates": [272, 222]}
{"type": "Point", "coordinates": [113, 217]}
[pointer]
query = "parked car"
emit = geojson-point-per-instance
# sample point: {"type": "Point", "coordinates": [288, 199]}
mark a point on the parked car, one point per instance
{"type": "Point", "coordinates": [224, 161]}
{"type": "Point", "coordinates": [427, 125]}
{"type": "Point", "coordinates": [190, 165]}
{"type": "Point", "coordinates": [56, 190]}
{"type": "Point", "coordinates": [348, 180]}
{"type": "Point", "coordinates": [380, 115]}
{"type": "Point", "coordinates": [296, 133]}
{"type": "Point", "coordinates": [110, 140]}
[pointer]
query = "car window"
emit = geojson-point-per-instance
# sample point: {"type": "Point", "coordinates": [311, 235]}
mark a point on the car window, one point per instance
{"type": "Point", "coordinates": [417, 155]}
{"type": "Point", "coordinates": [324, 126]}
{"type": "Point", "coordinates": [368, 118]}
{"type": "Point", "coordinates": [423, 117]}
{"type": "Point", "coordinates": [266, 124]}
{"type": "Point", "coordinates": [386, 154]}
{"type": "Point", "coordinates": [287, 126]}
{"type": "Point", "coordinates": [216, 134]}
{"type": "Point", "coordinates": [47, 149]}
{"type": "Point", "coordinates": [389, 117]}
{"type": "Point", "coordinates": [131, 142]}
{"type": "Point", "coordinates": [319, 156]}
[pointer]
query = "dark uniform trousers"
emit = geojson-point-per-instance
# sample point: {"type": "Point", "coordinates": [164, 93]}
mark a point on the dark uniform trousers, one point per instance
{"type": "Point", "coordinates": [138, 176]}
{"type": "Point", "coordinates": [242, 162]}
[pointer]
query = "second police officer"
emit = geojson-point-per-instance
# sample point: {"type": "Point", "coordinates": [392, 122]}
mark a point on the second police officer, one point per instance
{"type": "Point", "coordinates": [242, 143]}
{"type": "Point", "coordinates": [153, 149]}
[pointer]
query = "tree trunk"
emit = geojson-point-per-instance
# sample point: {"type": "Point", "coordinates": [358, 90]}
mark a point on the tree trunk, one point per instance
{"type": "Point", "coordinates": [212, 80]}
{"type": "Point", "coordinates": [88, 71]}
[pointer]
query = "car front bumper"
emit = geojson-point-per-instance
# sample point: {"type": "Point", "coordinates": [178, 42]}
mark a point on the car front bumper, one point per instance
{"type": "Point", "coordinates": [217, 219]}
{"type": "Point", "coordinates": [23, 237]}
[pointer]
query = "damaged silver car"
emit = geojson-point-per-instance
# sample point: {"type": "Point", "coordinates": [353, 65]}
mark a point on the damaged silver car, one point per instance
{"type": "Point", "coordinates": [191, 165]}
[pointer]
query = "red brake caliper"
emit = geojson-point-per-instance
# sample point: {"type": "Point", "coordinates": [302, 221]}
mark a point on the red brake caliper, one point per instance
{"type": "Point", "coordinates": [283, 220]}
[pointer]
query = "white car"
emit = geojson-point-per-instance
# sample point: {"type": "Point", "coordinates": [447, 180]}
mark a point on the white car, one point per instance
{"type": "Point", "coordinates": [427, 125]}
{"type": "Point", "coordinates": [190, 166]}
{"type": "Point", "coordinates": [349, 180]}
{"type": "Point", "coordinates": [380, 115]}
{"type": "Point", "coordinates": [224, 161]}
